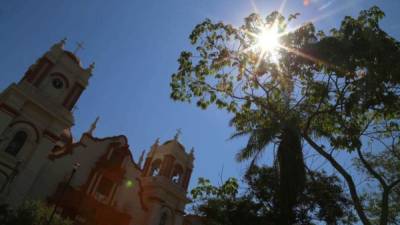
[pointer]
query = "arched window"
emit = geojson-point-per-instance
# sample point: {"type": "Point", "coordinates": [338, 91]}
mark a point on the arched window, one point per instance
{"type": "Point", "coordinates": [177, 174]}
{"type": "Point", "coordinates": [16, 143]}
{"type": "Point", "coordinates": [116, 158]}
{"type": "Point", "coordinates": [163, 218]}
{"type": "Point", "coordinates": [104, 189]}
{"type": "Point", "coordinates": [155, 168]}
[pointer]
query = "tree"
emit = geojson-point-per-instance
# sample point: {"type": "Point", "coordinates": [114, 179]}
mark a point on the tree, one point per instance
{"type": "Point", "coordinates": [334, 89]}
{"type": "Point", "coordinates": [322, 201]}
{"type": "Point", "coordinates": [223, 205]}
{"type": "Point", "coordinates": [30, 213]}
{"type": "Point", "coordinates": [290, 161]}
{"type": "Point", "coordinates": [384, 165]}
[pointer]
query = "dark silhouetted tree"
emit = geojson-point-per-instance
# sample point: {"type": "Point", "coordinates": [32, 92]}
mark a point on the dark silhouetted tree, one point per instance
{"type": "Point", "coordinates": [30, 213]}
{"type": "Point", "coordinates": [322, 201]}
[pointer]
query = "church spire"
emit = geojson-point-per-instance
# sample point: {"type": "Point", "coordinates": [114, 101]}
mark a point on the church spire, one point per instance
{"type": "Point", "coordinates": [191, 154]}
{"type": "Point", "coordinates": [141, 159]}
{"type": "Point", "coordinates": [156, 142]}
{"type": "Point", "coordinates": [93, 126]}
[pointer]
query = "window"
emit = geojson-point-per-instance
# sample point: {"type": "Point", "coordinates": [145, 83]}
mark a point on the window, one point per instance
{"type": "Point", "coordinates": [163, 219]}
{"type": "Point", "coordinates": [57, 83]}
{"type": "Point", "coordinates": [104, 187]}
{"type": "Point", "coordinates": [16, 143]}
{"type": "Point", "coordinates": [177, 174]}
{"type": "Point", "coordinates": [155, 169]}
{"type": "Point", "coordinates": [116, 158]}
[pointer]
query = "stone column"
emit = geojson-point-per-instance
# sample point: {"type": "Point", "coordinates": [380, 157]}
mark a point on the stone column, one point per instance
{"type": "Point", "coordinates": [147, 166]}
{"type": "Point", "coordinates": [186, 178]}
{"type": "Point", "coordinates": [92, 182]}
{"type": "Point", "coordinates": [153, 214]}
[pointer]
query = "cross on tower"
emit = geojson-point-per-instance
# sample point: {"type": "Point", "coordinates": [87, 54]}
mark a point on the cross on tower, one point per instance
{"type": "Point", "coordinates": [79, 46]}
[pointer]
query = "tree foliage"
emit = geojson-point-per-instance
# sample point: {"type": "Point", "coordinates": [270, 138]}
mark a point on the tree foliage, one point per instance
{"type": "Point", "coordinates": [339, 90]}
{"type": "Point", "coordinates": [386, 164]}
{"type": "Point", "coordinates": [322, 201]}
{"type": "Point", "coordinates": [30, 213]}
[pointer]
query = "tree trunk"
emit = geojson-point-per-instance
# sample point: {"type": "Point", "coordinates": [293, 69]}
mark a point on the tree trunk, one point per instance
{"type": "Point", "coordinates": [292, 175]}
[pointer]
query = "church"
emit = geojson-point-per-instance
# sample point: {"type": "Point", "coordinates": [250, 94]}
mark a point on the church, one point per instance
{"type": "Point", "coordinates": [92, 180]}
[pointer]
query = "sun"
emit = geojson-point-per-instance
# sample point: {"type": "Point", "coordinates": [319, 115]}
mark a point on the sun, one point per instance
{"type": "Point", "coordinates": [266, 42]}
{"type": "Point", "coordinates": [268, 39]}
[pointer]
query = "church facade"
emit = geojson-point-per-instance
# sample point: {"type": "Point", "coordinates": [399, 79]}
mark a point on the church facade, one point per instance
{"type": "Point", "coordinates": [92, 180]}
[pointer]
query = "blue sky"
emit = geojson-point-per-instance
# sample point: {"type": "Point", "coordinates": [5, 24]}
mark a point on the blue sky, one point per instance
{"type": "Point", "coordinates": [135, 45]}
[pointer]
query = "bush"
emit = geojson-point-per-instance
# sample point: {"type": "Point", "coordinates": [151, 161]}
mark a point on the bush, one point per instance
{"type": "Point", "coordinates": [30, 213]}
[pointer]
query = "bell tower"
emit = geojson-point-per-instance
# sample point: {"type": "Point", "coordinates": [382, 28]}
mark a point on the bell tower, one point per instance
{"type": "Point", "coordinates": [33, 114]}
{"type": "Point", "coordinates": [165, 180]}
{"type": "Point", "coordinates": [58, 76]}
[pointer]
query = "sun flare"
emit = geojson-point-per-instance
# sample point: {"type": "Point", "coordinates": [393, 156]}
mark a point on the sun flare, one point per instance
{"type": "Point", "coordinates": [268, 42]}
{"type": "Point", "coordinates": [268, 39]}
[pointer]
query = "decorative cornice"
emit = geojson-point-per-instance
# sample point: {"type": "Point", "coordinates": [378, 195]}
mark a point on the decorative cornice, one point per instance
{"type": "Point", "coordinates": [8, 109]}
{"type": "Point", "coordinates": [106, 138]}
{"type": "Point", "coordinates": [126, 146]}
{"type": "Point", "coordinates": [53, 137]}
{"type": "Point", "coordinates": [68, 149]}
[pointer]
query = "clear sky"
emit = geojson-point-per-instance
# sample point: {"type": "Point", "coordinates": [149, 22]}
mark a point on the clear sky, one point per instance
{"type": "Point", "coordinates": [135, 44]}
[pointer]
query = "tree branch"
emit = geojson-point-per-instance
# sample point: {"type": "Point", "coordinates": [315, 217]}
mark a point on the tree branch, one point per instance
{"type": "Point", "coordinates": [371, 170]}
{"type": "Point", "coordinates": [349, 180]}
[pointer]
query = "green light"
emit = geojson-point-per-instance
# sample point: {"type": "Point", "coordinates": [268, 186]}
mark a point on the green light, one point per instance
{"type": "Point", "coordinates": [129, 184]}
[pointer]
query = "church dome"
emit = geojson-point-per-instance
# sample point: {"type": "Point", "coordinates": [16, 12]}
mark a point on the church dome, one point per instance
{"type": "Point", "coordinates": [171, 148]}
{"type": "Point", "coordinates": [73, 57]}
{"type": "Point", "coordinates": [169, 163]}
{"type": "Point", "coordinates": [173, 144]}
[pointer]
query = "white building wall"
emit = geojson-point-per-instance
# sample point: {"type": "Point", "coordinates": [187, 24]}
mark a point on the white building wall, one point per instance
{"type": "Point", "coordinates": [127, 198]}
{"type": "Point", "coordinates": [28, 172]}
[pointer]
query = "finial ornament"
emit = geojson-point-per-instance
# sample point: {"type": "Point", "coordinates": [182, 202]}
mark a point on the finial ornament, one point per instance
{"type": "Point", "coordinates": [92, 65]}
{"type": "Point", "coordinates": [156, 143]}
{"type": "Point", "coordinates": [93, 126]}
{"type": "Point", "coordinates": [192, 151]}
{"type": "Point", "coordinates": [63, 41]}
{"type": "Point", "coordinates": [191, 154]}
{"type": "Point", "coordinates": [59, 44]}
{"type": "Point", "coordinates": [141, 159]}
{"type": "Point", "coordinates": [178, 133]}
